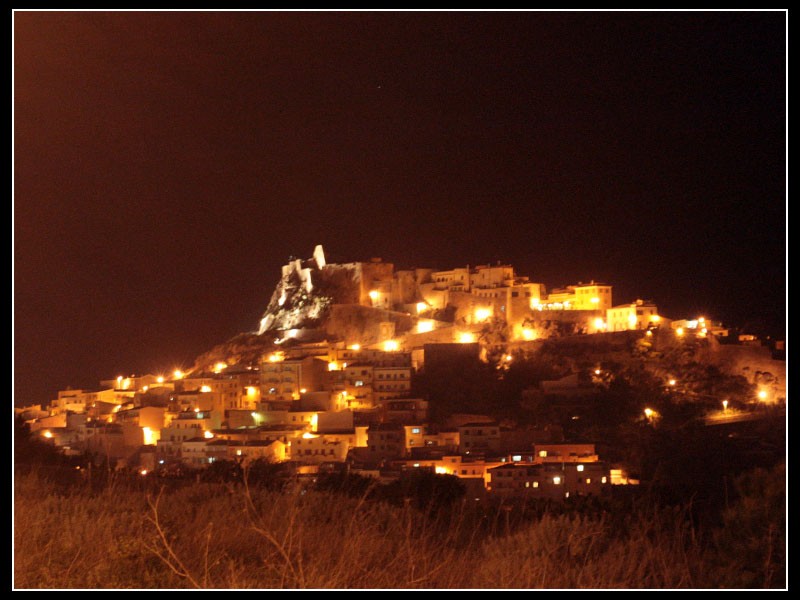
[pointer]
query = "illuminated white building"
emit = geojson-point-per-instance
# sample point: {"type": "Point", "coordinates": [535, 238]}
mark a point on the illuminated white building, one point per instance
{"type": "Point", "coordinates": [640, 314]}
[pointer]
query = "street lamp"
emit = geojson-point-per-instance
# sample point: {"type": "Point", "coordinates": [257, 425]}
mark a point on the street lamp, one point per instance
{"type": "Point", "coordinates": [724, 406]}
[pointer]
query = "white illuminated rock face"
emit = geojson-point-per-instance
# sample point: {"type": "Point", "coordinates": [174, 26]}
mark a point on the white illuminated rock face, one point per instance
{"type": "Point", "coordinates": [306, 290]}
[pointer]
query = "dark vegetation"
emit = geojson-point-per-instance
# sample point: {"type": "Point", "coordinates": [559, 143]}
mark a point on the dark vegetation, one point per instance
{"type": "Point", "coordinates": [263, 527]}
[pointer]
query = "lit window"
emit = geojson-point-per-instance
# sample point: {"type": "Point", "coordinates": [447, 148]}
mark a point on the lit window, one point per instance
{"type": "Point", "coordinates": [588, 480]}
{"type": "Point", "coordinates": [543, 453]}
{"type": "Point", "coordinates": [535, 484]}
{"type": "Point", "coordinates": [516, 458]}
{"type": "Point", "coordinates": [580, 467]}
{"type": "Point", "coordinates": [603, 480]}
{"type": "Point", "coordinates": [415, 430]}
{"type": "Point", "coordinates": [557, 480]}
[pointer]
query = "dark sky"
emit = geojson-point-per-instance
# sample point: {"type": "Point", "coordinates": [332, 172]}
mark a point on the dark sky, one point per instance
{"type": "Point", "coordinates": [167, 164]}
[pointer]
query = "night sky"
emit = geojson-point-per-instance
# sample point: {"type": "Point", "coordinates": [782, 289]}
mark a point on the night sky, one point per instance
{"type": "Point", "coordinates": [167, 164]}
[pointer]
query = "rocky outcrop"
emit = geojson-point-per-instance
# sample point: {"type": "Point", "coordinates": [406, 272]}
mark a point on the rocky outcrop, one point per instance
{"type": "Point", "coordinates": [306, 291]}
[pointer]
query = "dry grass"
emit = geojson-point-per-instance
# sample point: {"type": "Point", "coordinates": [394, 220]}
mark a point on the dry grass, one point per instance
{"type": "Point", "coordinates": [213, 536]}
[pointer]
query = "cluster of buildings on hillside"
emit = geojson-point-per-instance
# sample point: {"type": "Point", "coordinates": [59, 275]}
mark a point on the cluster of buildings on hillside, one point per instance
{"type": "Point", "coordinates": [317, 406]}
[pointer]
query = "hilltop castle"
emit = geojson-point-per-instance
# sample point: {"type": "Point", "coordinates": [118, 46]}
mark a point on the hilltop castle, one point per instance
{"type": "Point", "coordinates": [314, 294]}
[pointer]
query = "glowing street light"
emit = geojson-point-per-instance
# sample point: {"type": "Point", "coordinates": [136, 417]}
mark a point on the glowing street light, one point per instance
{"type": "Point", "coordinates": [672, 382]}
{"type": "Point", "coordinates": [177, 374]}
{"type": "Point", "coordinates": [205, 389]}
{"type": "Point", "coordinates": [160, 379]}
{"type": "Point", "coordinates": [679, 332]}
{"type": "Point", "coordinates": [762, 394]}
{"type": "Point", "coordinates": [208, 435]}
{"type": "Point", "coordinates": [355, 347]}
{"type": "Point", "coordinates": [724, 406]}
{"type": "Point", "coordinates": [481, 314]}
{"type": "Point", "coordinates": [421, 306]}
{"type": "Point", "coordinates": [466, 338]}
{"type": "Point", "coordinates": [650, 414]}
{"type": "Point", "coordinates": [528, 334]}
{"type": "Point", "coordinates": [390, 346]}
{"type": "Point", "coordinates": [373, 295]}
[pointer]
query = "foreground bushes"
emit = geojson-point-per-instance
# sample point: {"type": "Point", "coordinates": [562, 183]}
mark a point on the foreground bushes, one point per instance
{"type": "Point", "coordinates": [228, 536]}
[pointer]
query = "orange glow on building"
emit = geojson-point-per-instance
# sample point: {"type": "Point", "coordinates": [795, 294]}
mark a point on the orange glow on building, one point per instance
{"type": "Point", "coordinates": [424, 326]}
{"type": "Point", "coordinates": [149, 436]}
{"type": "Point", "coordinates": [466, 338]}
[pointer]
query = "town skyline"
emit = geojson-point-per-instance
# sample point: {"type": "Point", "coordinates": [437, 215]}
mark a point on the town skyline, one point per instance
{"type": "Point", "coordinates": [476, 373]}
